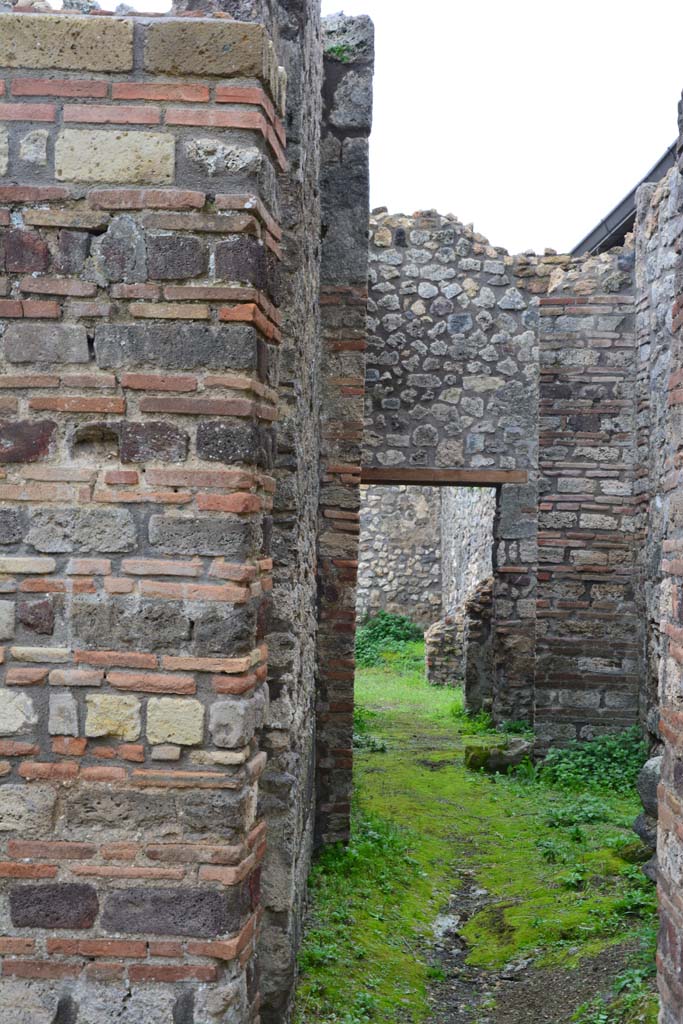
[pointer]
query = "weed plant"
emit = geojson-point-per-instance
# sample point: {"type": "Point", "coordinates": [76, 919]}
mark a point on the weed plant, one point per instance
{"type": "Point", "coordinates": [609, 762]}
{"type": "Point", "coordinates": [385, 635]}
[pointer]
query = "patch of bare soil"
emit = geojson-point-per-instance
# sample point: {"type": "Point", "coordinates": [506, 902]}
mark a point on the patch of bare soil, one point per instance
{"type": "Point", "coordinates": [519, 993]}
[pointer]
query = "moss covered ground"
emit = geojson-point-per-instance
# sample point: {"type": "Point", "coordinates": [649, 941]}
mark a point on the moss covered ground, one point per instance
{"type": "Point", "coordinates": [560, 868]}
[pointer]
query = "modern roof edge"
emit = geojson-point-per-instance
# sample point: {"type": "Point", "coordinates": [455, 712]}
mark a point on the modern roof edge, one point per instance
{"type": "Point", "coordinates": [615, 226]}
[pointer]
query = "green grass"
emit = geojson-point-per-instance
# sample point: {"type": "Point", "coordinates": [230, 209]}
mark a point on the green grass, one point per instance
{"type": "Point", "coordinates": [557, 863]}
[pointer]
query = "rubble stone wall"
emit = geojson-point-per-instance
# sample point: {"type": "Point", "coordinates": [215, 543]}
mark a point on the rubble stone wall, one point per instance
{"type": "Point", "coordinates": [399, 567]}
{"type": "Point", "coordinates": [658, 228]}
{"type": "Point", "coordinates": [452, 379]}
{"type": "Point", "coordinates": [659, 222]}
{"type": "Point", "coordinates": [422, 549]}
{"type": "Point", "coordinates": [467, 516]}
{"type": "Point", "coordinates": [452, 398]}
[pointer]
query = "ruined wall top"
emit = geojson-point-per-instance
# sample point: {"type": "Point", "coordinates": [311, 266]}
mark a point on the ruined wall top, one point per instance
{"type": "Point", "coordinates": [452, 373]}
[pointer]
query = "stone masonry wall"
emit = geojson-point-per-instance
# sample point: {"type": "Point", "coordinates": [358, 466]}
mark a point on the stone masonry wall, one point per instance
{"type": "Point", "coordinates": [467, 516]}
{"type": "Point", "coordinates": [347, 115]}
{"type": "Point", "coordinates": [452, 398]}
{"type": "Point", "coordinates": [658, 229]}
{"type": "Point", "coordinates": [399, 562]}
{"type": "Point", "coordinates": [662, 225]}
{"type": "Point", "coordinates": [141, 247]}
{"type": "Point", "coordinates": [422, 549]}
{"type": "Point", "coordinates": [589, 649]}
{"type": "Point", "coordinates": [452, 379]}
{"type": "Point", "coordinates": [286, 790]}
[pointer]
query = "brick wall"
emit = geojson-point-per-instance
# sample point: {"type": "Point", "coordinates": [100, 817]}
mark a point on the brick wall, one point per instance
{"type": "Point", "coordinates": [347, 112]}
{"type": "Point", "coordinates": [589, 631]}
{"type": "Point", "coordinates": [287, 787]}
{"type": "Point", "coordinates": [138, 356]}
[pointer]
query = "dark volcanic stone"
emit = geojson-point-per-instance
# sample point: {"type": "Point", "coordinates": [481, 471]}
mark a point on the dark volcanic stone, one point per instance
{"type": "Point", "coordinates": [37, 615]}
{"type": "Point", "coordinates": [183, 1011]}
{"type": "Point", "coordinates": [120, 253]}
{"type": "Point", "coordinates": [72, 251]}
{"type": "Point", "coordinates": [25, 251]}
{"type": "Point", "coordinates": [175, 257]}
{"type": "Point", "coordinates": [227, 442]}
{"type": "Point", "coordinates": [176, 346]}
{"type": "Point", "coordinates": [25, 440]}
{"type": "Point", "coordinates": [242, 259]}
{"type": "Point", "coordinates": [12, 525]}
{"type": "Point", "coordinates": [204, 913]}
{"type": "Point", "coordinates": [53, 906]}
{"type": "Point", "coordinates": [158, 440]}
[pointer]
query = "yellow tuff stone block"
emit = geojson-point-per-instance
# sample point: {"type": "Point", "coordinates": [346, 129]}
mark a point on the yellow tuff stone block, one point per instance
{"type": "Point", "coordinates": [66, 42]}
{"type": "Point", "coordinates": [109, 715]}
{"type": "Point", "coordinates": [175, 721]}
{"type": "Point", "coordinates": [135, 158]}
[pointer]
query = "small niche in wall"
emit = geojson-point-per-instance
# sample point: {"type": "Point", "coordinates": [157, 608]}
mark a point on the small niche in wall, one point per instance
{"type": "Point", "coordinates": [98, 441]}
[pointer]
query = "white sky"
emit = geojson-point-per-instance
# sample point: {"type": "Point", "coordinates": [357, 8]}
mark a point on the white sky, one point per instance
{"type": "Point", "coordinates": [530, 118]}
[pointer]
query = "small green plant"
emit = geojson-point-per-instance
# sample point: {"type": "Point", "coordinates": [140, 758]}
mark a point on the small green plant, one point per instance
{"type": "Point", "coordinates": [575, 879]}
{"type": "Point", "coordinates": [340, 52]}
{"type": "Point", "coordinates": [516, 727]}
{"type": "Point", "coordinates": [609, 762]}
{"type": "Point", "coordinates": [363, 739]}
{"type": "Point", "coordinates": [550, 851]}
{"type": "Point", "coordinates": [369, 742]}
{"type": "Point", "coordinates": [385, 635]}
{"type": "Point", "coordinates": [584, 811]}
{"type": "Point", "coordinates": [472, 723]}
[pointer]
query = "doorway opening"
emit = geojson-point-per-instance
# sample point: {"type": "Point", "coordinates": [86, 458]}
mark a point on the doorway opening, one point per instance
{"type": "Point", "coordinates": [426, 554]}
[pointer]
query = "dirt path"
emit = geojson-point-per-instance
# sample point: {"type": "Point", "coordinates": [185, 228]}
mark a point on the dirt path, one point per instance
{"type": "Point", "coordinates": [462, 899]}
{"type": "Point", "coordinates": [520, 993]}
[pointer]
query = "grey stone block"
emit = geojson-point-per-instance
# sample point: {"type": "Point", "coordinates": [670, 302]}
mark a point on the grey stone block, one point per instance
{"type": "Point", "coordinates": [219, 629]}
{"type": "Point", "coordinates": [648, 781]}
{"type": "Point", "coordinates": [128, 624]}
{"type": "Point", "coordinates": [124, 810]}
{"type": "Point", "coordinates": [59, 905]}
{"type": "Point", "coordinates": [38, 342]}
{"type": "Point", "coordinates": [230, 536]}
{"type": "Point", "coordinates": [212, 812]}
{"type": "Point", "coordinates": [200, 912]}
{"type": "Point", "coordinates": [63, 529]}
{"type": "Point", "coordinates": [27, 810]}
{"type": "Point", "coordinates": [119, 254]}
{"type": "Point", "coordinates": [232, 723]}
{"type": "Point", "coordinates": [63, 715]}
{"type": "Point", "coordinates": [176, 346]}
{"type": "Point", "coordinates": [7, 617]}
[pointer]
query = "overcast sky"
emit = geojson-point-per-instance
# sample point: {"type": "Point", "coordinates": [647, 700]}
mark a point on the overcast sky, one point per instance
{"type": "Point", "coordinates": [530, 119]}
